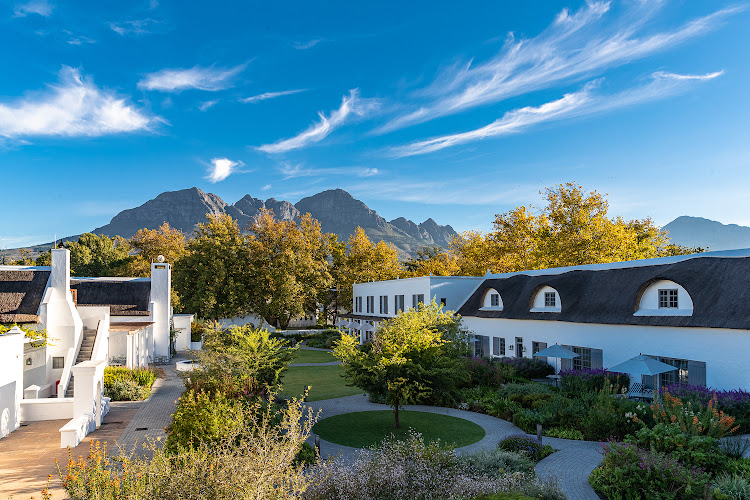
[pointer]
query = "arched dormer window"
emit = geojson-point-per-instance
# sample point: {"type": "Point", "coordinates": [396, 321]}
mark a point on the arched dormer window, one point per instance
{"type": "Point", "coordinates": [546, 299]}
{"type": "Point", "coordinates": [664, 298]}
{"type": "Point", "coordinates": [492, 301]}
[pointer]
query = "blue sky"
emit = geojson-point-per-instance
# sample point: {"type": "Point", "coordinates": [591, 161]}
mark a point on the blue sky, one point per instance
{"type": "Point", "coordinates": [455, 111]}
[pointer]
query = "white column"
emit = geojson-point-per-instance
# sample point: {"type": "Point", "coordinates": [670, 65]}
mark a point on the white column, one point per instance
{"type": "Point", "coordinates": [89, 384]}
{"type": "Point", "coordinates": [129, 350]}
{"type": "Point", "coordinates": [161, 308]}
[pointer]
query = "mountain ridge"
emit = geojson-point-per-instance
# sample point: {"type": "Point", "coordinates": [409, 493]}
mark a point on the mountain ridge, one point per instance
{"type": "Point", "coordinates": [337, 211]}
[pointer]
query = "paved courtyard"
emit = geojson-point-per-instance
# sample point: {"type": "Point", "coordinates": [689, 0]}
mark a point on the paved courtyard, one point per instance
{"type": "Point", "coordinates": [27, 455]}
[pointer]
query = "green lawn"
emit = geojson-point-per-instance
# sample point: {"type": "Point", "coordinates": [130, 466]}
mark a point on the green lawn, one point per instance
{"type": "Point", "coordinates": [305, 356]}
{"type": "Point", "coordinates": [325, 382]}
{"type": "Point", "coordinates": [367, 428]}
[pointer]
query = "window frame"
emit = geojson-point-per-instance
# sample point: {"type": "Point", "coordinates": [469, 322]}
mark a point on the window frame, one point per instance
{"type": "Point", "coordinates": [668, 298]}
{"type": "Point", "coordinates": [550, 299]}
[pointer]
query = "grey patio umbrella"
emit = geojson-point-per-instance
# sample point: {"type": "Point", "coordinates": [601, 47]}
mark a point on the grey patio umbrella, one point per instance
{"type": "Point", "coordinates": [558, 352]}
{"type": "Point", "coordinates": [642, 365]}
{"type": "Point", "coordinates": [342, 323]}
{"type": "Point", "coordinates": [367, 327]}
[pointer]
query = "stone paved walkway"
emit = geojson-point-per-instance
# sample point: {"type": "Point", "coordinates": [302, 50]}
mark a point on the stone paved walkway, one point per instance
{"type": "Point", "coordinates": [155, 413]}
{"type": "Point", "coordinates": [571, 465]}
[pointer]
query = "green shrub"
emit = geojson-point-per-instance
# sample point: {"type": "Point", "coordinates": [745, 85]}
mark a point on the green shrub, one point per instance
{"type": "Point", "coordinates": [525, 445]}
{"type": "Point", "coordinates": [592, 380]}
{"type": "Point", "coordinates": [141, 376]}
{"type": "Point", "coordinates": [503, 496]}
{"type": "Point", "coordinates": [737, 466]}
{"type": "Point", "coordinates": [126, 390]}
{"type": "Point", "coordinates": [698, 451]}
{"type": "Point", "coordinates": [306, 455]}
{"type": "Point", "coordinates": [525, 389]}
{"type": "Point", "coordinates": [527, 420]}
{"type": "Point", "coordinates": [324, 340]}
{"type": "Point", "coordinates": [634, 473]}
{"type": "Point", "coordinates": [562, 433]}
{"type": "Point", "coordinates": [497, 462]}
{"type": "Point", "coordinates": [202, 419]}
{"type": "Point", "coordinates": [732, 487]}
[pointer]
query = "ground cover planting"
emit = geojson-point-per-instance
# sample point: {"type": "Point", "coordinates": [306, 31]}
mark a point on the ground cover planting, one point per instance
{"type": "Point", "coordinates": [368, 428]}
{"type": "Point", "coordinates": [323, 382]}
{"type": "Point", "coordinates": [309, 356]}
{"type": "Point", "coordinates": [128, 384]}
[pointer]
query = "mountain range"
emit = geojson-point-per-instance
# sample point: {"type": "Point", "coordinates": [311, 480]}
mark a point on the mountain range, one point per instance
{"type": "Point", "coordinates": [340, 213]}
{"type": "Point", "coordinates": [337, 211]}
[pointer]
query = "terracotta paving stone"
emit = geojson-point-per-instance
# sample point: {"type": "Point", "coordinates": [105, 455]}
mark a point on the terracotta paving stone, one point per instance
{"type": "Point", "coordinates": [27, 455]}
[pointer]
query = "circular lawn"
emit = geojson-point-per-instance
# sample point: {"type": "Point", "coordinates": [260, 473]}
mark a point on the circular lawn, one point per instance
{"type": "Point", "coordinates": [366, 428]}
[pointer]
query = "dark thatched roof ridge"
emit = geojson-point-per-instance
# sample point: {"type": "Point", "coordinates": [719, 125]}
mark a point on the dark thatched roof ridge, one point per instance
{"type": "Point", "coordinates": [124, 297]}
{"type": "Point", "coordinates": [21, 292]}
{"type": "Point", "coordinates": [719, 288]}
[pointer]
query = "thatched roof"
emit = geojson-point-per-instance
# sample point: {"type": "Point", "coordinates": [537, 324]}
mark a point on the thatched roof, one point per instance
{"type": "Point", "coordinates": [21, 292]}
{"type": "Point", "coordinates": [124, 297]}
{"type": "Point", "coordinates": [719, 288]}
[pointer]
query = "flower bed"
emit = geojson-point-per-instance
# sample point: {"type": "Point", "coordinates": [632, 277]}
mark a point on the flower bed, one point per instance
{"type": "Point", "coordinates": [128, 384]}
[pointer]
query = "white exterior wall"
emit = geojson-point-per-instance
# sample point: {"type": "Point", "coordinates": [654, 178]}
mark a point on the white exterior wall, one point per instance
{"type": "Point", "coordinates": [11, 380]}
{"type": "Point", "coordinates": [182, 324]}
{"type": "Point", "coordinates": [59, 316]}
{"type": "Point", "coordinates": [455, 289]}
{"type": "Point", "coordinates": [161, 310]}
{"type": "Point", "coordinates": [723, 350]}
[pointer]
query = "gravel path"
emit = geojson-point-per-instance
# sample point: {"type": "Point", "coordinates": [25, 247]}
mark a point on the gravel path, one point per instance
{"type": "Point", "coordinates": [571, 465]}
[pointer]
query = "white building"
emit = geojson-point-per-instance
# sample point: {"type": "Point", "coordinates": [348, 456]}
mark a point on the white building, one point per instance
{"type": "Point", "coordinates": [376, 301]}
{"type": "Point", "coordinates": [91, 323]}
{"type": "Point", "coordinates": [689, 311]}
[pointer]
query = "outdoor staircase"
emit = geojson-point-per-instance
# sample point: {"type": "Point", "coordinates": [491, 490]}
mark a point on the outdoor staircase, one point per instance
{"type": "Point", "coordinates": [84, 354]}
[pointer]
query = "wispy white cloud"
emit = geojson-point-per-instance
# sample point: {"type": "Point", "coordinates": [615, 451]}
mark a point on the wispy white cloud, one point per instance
{"type": "Point", "coordinates": [135, 27]}
{"type": "Point", "coordinates": [207, 105]}
{"type": "Point", "coordinates": [74, 106]}
{"type": "Point", "coordinates": [294, 170]}
{"type": "Point", "coordinates": [575, 46]}
{"type": "Point", "coordinates": [583, 102]}
{"type": "Point", "coordinates": [266, 187]}
{"type": "Point", "coordinates": [306, 45]}
{"type": "Point", "coordinates": [77, 39]}
{"type": "Point", "coordinates": [352, 106]}
{"type": "Point", "coordinates": [270, 95]}
{"type": "Point", "coordinates": [221, 168]}
{"type": "Point", "coordinates": [40, 7]}
{"type": "Point", "coordinates": [201, 78]}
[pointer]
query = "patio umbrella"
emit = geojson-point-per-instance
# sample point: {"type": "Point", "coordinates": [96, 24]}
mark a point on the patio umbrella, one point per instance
{"type": "Point", "coordinates": [642, 365]}
{"type": "Point", "coordinates": [367, 327]}
{"type": "Point", "coordinates": [558, 352]}
{"type": "Point", "coordinates": [342, 323]}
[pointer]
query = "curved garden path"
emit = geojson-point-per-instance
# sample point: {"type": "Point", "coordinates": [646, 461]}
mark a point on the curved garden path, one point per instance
{"type": "Point", "coordinates": [570, 465]}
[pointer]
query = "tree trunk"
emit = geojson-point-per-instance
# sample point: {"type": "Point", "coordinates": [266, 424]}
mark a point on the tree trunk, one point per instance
{"type": "Point", "coordinates": [395, 412]}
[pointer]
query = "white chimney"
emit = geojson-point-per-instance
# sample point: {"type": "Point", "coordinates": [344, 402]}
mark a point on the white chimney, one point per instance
{"type": "Point", "coordinates": [161, 308]}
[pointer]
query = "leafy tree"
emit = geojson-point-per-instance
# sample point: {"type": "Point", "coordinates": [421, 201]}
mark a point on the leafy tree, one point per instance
{"type": "Point", "coordinates": [573, 228]}
{"type": "Point", "coordinates": [150, 243]}
{"type": "Point", "coordinates": [434, 261]}
{"type": "Point", "coordinates": [414, 356]}
{"type": "Point", "coordinates": [94, 255]}
{"type": "Point", "coordinates": [360, 261]}
{"type": "Point", "coordinates": [288, 265]}
{"type": "Point", "coordinates": [212, 278]}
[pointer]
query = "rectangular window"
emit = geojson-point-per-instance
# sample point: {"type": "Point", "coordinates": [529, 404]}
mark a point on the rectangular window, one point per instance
{"type": "Point", "coordinates": [497, 344]}
{"type": "Point", "coordinates": [383, 304]}
{"type": "Point", "coordinates": [58, 363]}
{"type": "Point", "coordinates": [481, 346]}
{"type": "Point", "coordinates": [443, 302]}
{"type": "Point", "coordinates": [549, 299]}
{"type": "Point", "coordinates": [370, 304]}
{"type": "Point", "coordinates": [536, 347]}
{"type": "Point", "coordinates": [584, 358]}
{"type": "Point", "coordinates": [495, 300]}
{"type": "Point", "coordinates": [417, 299]}
{"type": "Point", "coordinates": [358, 304]}
{"type": "Point", "coordinates": [519, 347]}
{"type": "Point", "coordinates": [399, 303]}
{"type": "Point", "coordinates": [668, 298]}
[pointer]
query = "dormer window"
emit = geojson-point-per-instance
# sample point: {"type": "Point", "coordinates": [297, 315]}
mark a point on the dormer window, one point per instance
{"type": "Point", "coordinates": [546, 299]}
{"type": "Point", "coordinates": [550, 299]}
{"type": "Point", "coordinates": [492, 300]}
{"type": "Point", "coordinates": [668, 298]}
{"type": "Point", "coordinates": [664, 298]}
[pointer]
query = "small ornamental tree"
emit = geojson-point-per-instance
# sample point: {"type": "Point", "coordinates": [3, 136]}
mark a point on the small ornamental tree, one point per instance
{"type": "Point", "coordinates": [413, 356]}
